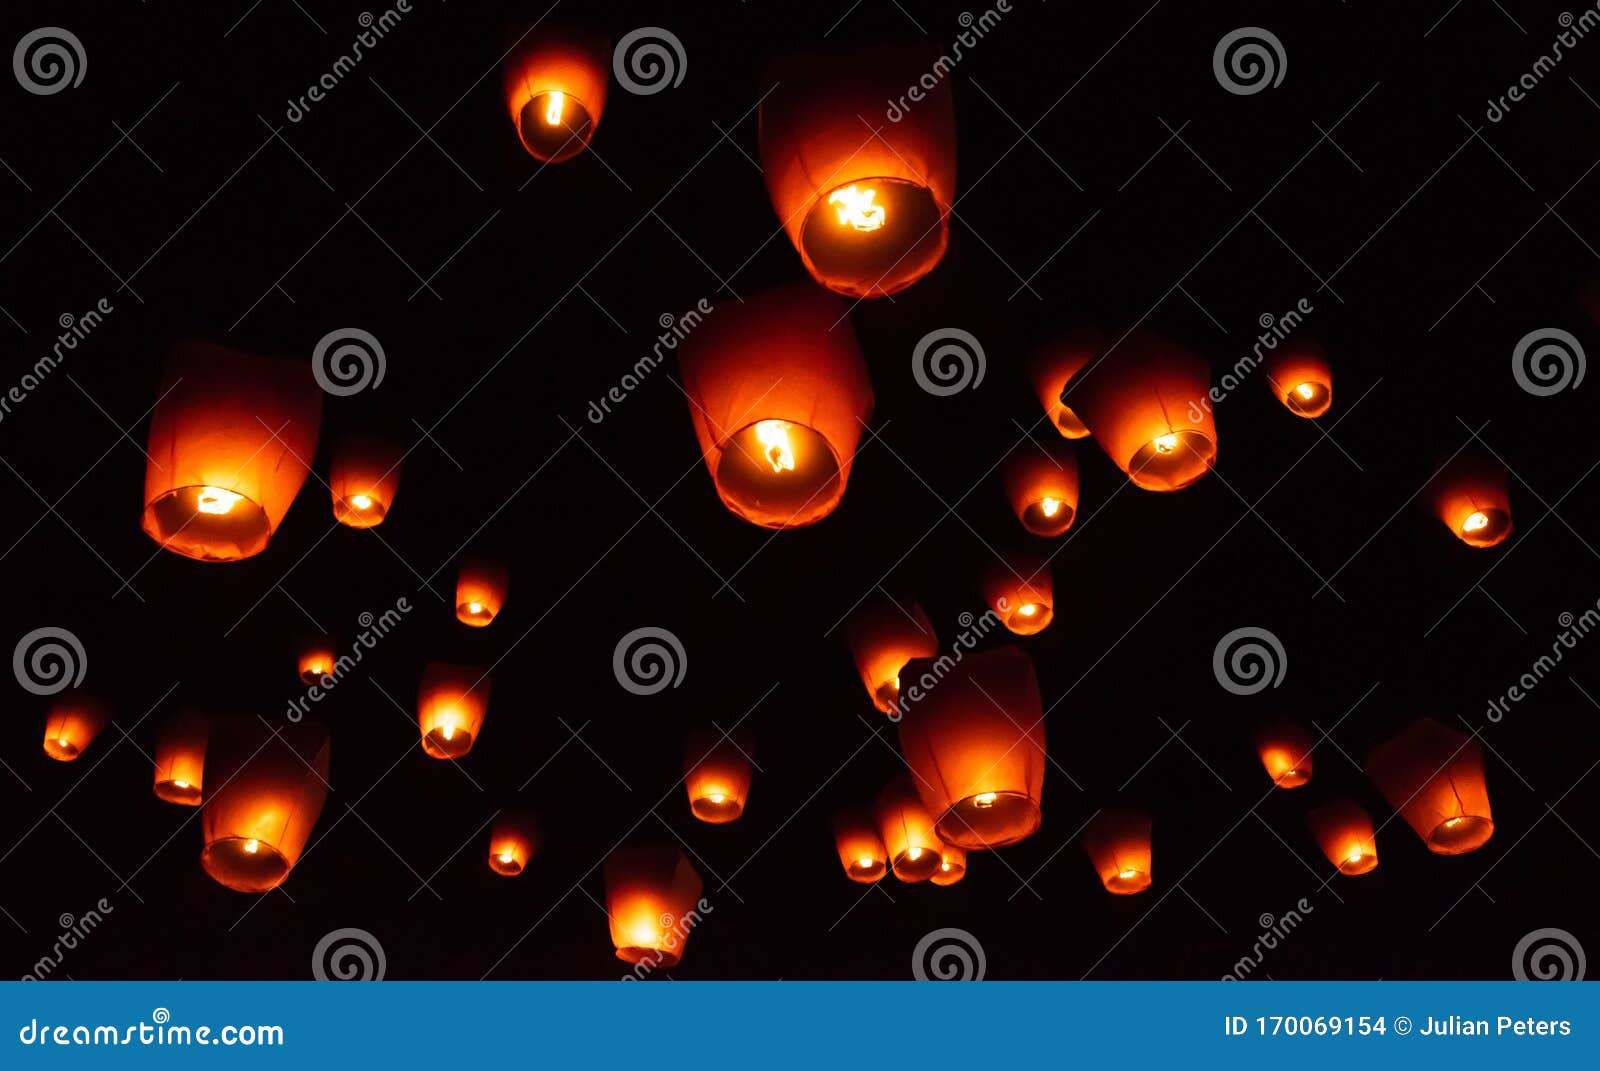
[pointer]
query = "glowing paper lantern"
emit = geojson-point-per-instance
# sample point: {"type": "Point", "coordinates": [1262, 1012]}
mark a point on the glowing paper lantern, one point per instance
{"type": "Point", "coordinates": [266, 788]}
{"type": "Point", "coordinates": [1298, 373]}
{"type": "Point", "coordinates": [481, 589]}
{"type": "Point", "coordinates": [906, 828]}
{"type": "Point", "coordinates": [181, 759]}
{"type": "Point", "coordinates": [1344, 833]}
{"type": "Point", "coordinates": [1147, 403]}
{"type": "Point", "coordinates": [861, 850]}
{"type": "Point", "coordinates": [317, 659]}
{"type": "Point", "coordinates": [556, 91]}
{"type": "Point", "coordinates": [1042, 485]}
{"type": "Point", "coordinates": [1285, 750]}
{"type": "Point", "coordinates": [716, 772]}
{"type": "Point", "coordinates": [1052, 368]}
{"type": "Point", "coordinates": [363, 480]}
{"type": "Point", "coordinates": [1471, 495]}
{"type": "Point", "coordinates": [230, 439]}
{"type": "Point", "coordinates": [975, 748]}
{"type": "Point", "coordinates": [866, 203]}
{"type": "Point", "coordinates": [652, 897]}
{"type": "Point", "coordinates": [1433, 775]}
{"type": "Point", "coordinates": [952, 865]}
{"type": "Point", "coordinates": [884, 634]}
{"type": "Point", "coordinates": [451, 703]}
{"type": "Point", "coordinates": [779, 395]}
{"type": "Point", "coordinates": [74, 721]}
{"type": "Point", "coordinates": [1018, 590]}
{"type": "Point", "coordinates": [1118, 842]}
{"type": "Point", "coordinates": [512, 842]}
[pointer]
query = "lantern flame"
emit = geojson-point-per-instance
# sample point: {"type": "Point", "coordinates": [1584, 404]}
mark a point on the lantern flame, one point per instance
{"type": "Point", "coordinates": [474, 607]}
{"type": "Point", "coordinates": [1128, 874]}
{"type": "Point", "coordinates": [1165, 444]}
{"type": "Point", "coordinates": [361, 501]}
{"type": "Point", "coordinates": [507, 856]}
{"type": "Point", "coordinates": [985, 799]}
{"type": "Point", "coordinates": [63, 741]}
{"type": "Point", "coordinates": [1306, 391]}
{"type": "Point", "coordinates": [914, 854]}
{"type": "Point", "coordinates": [1050, 506]}
{"type": "Point", "coordinates": [1028, 609]}
{"type": "Point", "coordinates": [552, 110]}
{"type": "Point", "coordinates": [180, 784]}
{"type": "Point", "coordinates": [216, 500]}
{"type": "Point", "coordinates": [774, 435]}
{"type": "Point", "coordinates": [855, 208]}
{"type": "Point", "coordinates": [252, 846]}
{"type": "Point", "coordinates": [1357, 855]}
{"type": "Point", "coordinates": [866, 862]}
{"type": "Point", "coordinates": [1475, 521]}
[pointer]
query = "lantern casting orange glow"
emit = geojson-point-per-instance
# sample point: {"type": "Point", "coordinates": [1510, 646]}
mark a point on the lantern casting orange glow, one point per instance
{"type": "Point", "coordinates": [1042, 485]}
{"type": "Point", "coordinates": [716, 772]}
{"type": "Point", "coordinates": [512, 842]}
{"type": "Point", "coordinates": [268, 787]}
{"type": "Point", "coordinates": [653, 902]}
{"type": "Point", "coordinates": [1118, 843]}
{"type": "Point", "coordinates": [1298, 373]}
{"type": "Point", "coordinates": [317, 660]}
{"type": "Point", "coordinates": [1433, 775]}
{"type": "Point", "coordinates": [75, 719]}
{"type": "Point", "coordinates": [1018, 590]}
{"type": "Point", "coordinates": [363, 480]}
{"type": "Point", "coordinates": [884, 634]}
{"type": "Point", "coordinates": [861, 850]}
{"type": "Point", "coordinates": [556, 91]}
{"type": "Point", "coordinates": [1285, 750]}
{"type": "Point", "coordinates": [451, 703]}
{"type": "Point", "coordinates": [1052, 367]}
{"type": "Point", "coordinates": [181, 759]}
{"type": "Point", "coordinates": [952, 865]}
{"type": "Point", "coordinates": [481, 589]}
{"type": "Point", "coordinates": [1471, 495]}
{"type": "Point", "coordinates": [1344, 832]}
{"type": "Point", "coordinates": [906, 828]}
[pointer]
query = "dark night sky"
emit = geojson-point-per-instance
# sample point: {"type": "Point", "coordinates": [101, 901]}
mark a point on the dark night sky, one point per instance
{"type": "Point", "coordinates": [1200, 210]}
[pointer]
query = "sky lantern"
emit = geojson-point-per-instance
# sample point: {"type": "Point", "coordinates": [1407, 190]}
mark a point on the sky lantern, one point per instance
{"type": "Point", "coordinates": [652, 900]}
{"type": "Point", "coordinates": [1298, 373]}
{"type": "Point", "coordinates": [1147, 402]}
{"type": "Point", "coordinates": [865, 202]}
{"type": "Point", "coordinates": [1052, 367]}
{"type": "Point", "coordinates": [512, 842]}
{"type": "Point", "coordinates": [1118, 842]}
{"type": "Point", "coordinates": [1285, 750]}
{"type": "Point", "coordinates": [1344, 833]}
{"type": "Point", "coordinates": [861, 850]}
{"type": "Point", "coordinates": [884, 634]}
{"type": "Point", "coordinates": [230, 438]}
{"type": "Point", "coordinates": [75, 719]}
{"type": "Point", "coordinates": [181, 759]}
{"type": "Point", "coordinates": [451, 703]}
{"type": "Point", "coordinates": [1433, 775]}
{"type": "Point", "coordinates": [1472, 496]}
{"type": "Point", "coordinates": [779, 395]}
{"type": "Point", "coordinates": [975, 748]}
{"type": "Point", "coordinates": [556, 91]}
{"type": "Point", "coordinates": [363, 480]}
{"type": "Point", "coordinates": [716, 772]}
{"type": "Point", "coordinates": [952, 865]}
{"type": "Point", "coordinates": [906, 829]}
{"type": "Point", "coordinates": [267, 784]}
{"type": "Point", "coordinates": [1042, 486]}
{"type": "Point", "coordinates": [317, 659]}
{"type": "Point", "coordinates": [1018, 590]}
{"type": "Point", "coordinates": [481, 589]}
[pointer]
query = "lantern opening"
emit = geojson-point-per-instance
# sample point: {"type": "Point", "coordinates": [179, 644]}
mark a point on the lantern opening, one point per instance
{"type": "Point", "coordinates": [1485, 527]}
{"type": "Point", "coordinates": [916, 864]}
{"type": "Point", "coordinates": [952, 866]}
{"type": "Point", "coordinates": [1030, 617]}
{"type": "Point", "coordinates": [1172, 461]}
{"type": "Point", "coordinates": [61, 749]}
{"type": "Point", "coordinates": [994, 818]}
{"type": "Point", "coordinates": [247, 864]}
{"type": "Point", "coordinates": [506, 863]}
{"type": "Point", "coordinates": [777, 467]}
{"type": "Point", "coordinates": [178, 791]}
{"type": "Point", "coordinates": [1048, 517]}
{"type": "Point", "coordinates": [365, 509]}
{"type": "Point", "coordinates": [1128, 881]}
{"type": "Point", "coordinates": [554, 126]}
{"type": "Point", "coordinates": [872, 236]}
{"type": "Point", "coordinates": [887, 694]}
{"type": "Point", "coordinates": [717, 807]}
{"type": "Point", "coordinates": [1308, 399]}
{"type": "Point", "coordinates": [1459, 834]}
{"type": "Point", "coordinates": [208, 523]}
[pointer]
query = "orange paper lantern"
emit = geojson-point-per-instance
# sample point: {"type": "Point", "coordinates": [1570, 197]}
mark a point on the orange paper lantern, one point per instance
{"type": "Point", "coordinates": [1052, 367]}
{"type": "Point", "coordinates": [556, 92]}
{"type": "Point", "coordinates": [861, 850]}
{"type": "Point", "coordinates": [884, 634]}
{"type": "Point", "coordinates": [75, 719]}
{"type": "Point", "coordinates": [716, 772]}
{"type": "Point", "coordinates": [1344, 832]}
{"type": "Point", "coordinates": [1285, 750]}
{"type": "Point", "coordinates": [451, 703]}
{"type": "Point", "coordinates": [363, 480]}
{"type": "Point", "coordinates": [1433, 775]}
{"type": "Point", "coordinates": [512, 842]}
{"type": "Point", "coordinates": [906, 828]}
{"type": "Point", "coordinates": [952, 865]}
{"type": "Point", "coordinates": [317, 659]}
{"type": "Point", "coordinates": [267, 787]}
{"type": "Point", "coordinates": [1042, 485]}
{"type": "Point", "coordinates": [1018, 590]}
{"type": "Point", "coordinates": [1472, 496]}
{"type": "Point", "coordinates": [865, 202]}
{"type": "Point", "coordinates": [975, 748]}
{"type": "Point", "coordinates": [181, 759]}
{"type": "Point", "coordinates": [1118, 842]}
{"type": "Point", "coordinates": [1298, 373]}
{"type": "Point", "coordinates": [653, 901]}
{"type": "Point", "coordinates": [481, 589]}
{"type": "Point", "coordinates": [779, 395]}
{"type": "Point", "coordinates": [230, 439]}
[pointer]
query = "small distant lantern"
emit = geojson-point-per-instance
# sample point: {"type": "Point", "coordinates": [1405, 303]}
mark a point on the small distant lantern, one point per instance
{"type": "Point", "coordinates": [884, 634]}
{"type": "Point", "coordinates": [1018, 590]}
{"type": "Point", "coordinates": [181, 759]}
{"type": "Point", "coordinates": [1042, 485]}
{"type": "Point", "coordinates": [268, 785]}
{"type": "Point", "coordinates": [652, 900]}
{"type": "Point", "coordinates": [865, 202]}
{"type": "Point", "coordinates": [1433, 775]}
{"type": "Point", "coordinates": [481, 591]}
{"type": "Point", "coordinates": [1147, 402]}
{"type": "Point", "coordinates": [906, 829]}
{"type": "Point", "coordinates": [1472, 496]}
{"type": "Point", "coordinates": [317, 659]}
{"type": "Point", "coordinates": [1285, 750]}
{"type": "Point", "coordinates": [952, 865]}
{"type": "Point", "coordinates": [363, 480]}
{"type": "Point", "coordinates": [1052, 367]}
{"type": "Point", "coordinates": [1118, 843]}
{"type": "Point", "coordinates": [716, 772]}
{"type": "Point", "coordinates": [231, 437]}
{"type": "Point", "coordinates": [512, 842]}
{"type": "Point", "coordinates": [861, 850]}
{"type": "Point", "coordinates": [75, 719]}
{"type": "Point", "coordinates": [556, 91]}
{"type": "Point", "coordinates": [451, 703]}
{"type": "Point", "coordinates": [975, 747]}
{"type": "Point", "coordinates": [1298, 373]}
{"type": "Point", "coordinates": [1344, 833]}
{"type": "Point", "coordinates": [779, 395]}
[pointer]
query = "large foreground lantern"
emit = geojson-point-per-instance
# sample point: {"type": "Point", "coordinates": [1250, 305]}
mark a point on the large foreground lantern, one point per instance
{"type": "Point", "coordinates": [1433, 775]}
{"type": "Point", "coordinates": [1344, 833]}
{"type": "Point", "coordinates": [865, 197]}
{"type": "Point", "coordinates": [779, 396]}
{"type": "Point", "coordinates": [230, 440]}
{"type": "Point", "coordinates": [451, 703]}
{"type": "Point", "coordinates": [652, 900]}
{"type": "Point", "coordinates": [1018, 591]}
{"type": "Point", "coordinates": [975, 748]}
{"type": "Point", "coordinates": [512, 842]}
{"type": "Point", "coordinates": [75, 719]}
{"type": "Point", "coordinates": [906, 828]}
{"type": "Point", "coordinates": [716, 773]}
{"type": "Point", "coordinates": [1285, 750]}
{"type": "Point", "coordinates": [1052, 367]}
{"type": "Point", "coordinates": [363, 480]}
{"type": "Point", "coordinates": [266, 788]}
{"type": "Point", "coordinates": [861, 850]}
{"type": "Point", "coordinates": [952, 865]}
{"type": "Point", "coordinates": [1299, 376]}
{"type": "Point", "coordinates": [481, 589]}
{"type": "Point", "coordinates": [1118, 843]}
{"type": "Point", "coordinates": [1147, 403]}
{"type": "Point", "coordinates": [1472, 496]}
{"type": "Point", "coordinates": [181, 759]}
{"type": "Point", "coordinates": [1042, 486]}
{"type": "Point", "coordinates": [556, 89]}
{"type": "Point", "coordinates": [884, 634]}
